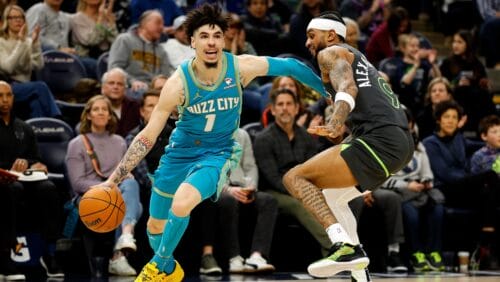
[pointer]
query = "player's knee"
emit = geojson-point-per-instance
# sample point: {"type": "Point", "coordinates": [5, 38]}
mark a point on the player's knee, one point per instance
{"type": "Point", "coordinates": [288, 179]}
{"type": "Point", "coordinates": [155, 226]}
{"type": "Point", "coordinates": [181, 208]}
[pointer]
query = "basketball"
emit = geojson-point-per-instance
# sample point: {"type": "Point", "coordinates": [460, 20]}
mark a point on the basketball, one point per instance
{"type": "Point", "coordinates": [102, 209]}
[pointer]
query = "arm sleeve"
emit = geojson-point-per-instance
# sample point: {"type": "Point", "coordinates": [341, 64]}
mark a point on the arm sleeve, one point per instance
{"type": "Point", "coordinates": [296, 69]}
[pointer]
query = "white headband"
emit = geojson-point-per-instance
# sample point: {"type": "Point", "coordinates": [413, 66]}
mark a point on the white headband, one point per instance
{"type": "Point", "coordinates": [327, 24]}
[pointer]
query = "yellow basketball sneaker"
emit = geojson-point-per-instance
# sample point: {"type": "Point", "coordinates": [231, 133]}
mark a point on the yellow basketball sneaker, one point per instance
{"type": "Point", "coordinates": [151, 273]}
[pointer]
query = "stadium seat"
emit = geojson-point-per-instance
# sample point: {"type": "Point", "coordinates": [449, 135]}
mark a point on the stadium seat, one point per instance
{"type": "Point", "coordinates": [61, 71]}
{"type": "Point", "coordinates": [53, 136]}
{"type": "Point", "coordinates": [102, 65]}
{"type": "Point", "coordinates": [264, 91]}
{"type": "Point", "coordinates": [253, 129]}
{"type": "Point", "coordinates": [71, 112]}
{"type": "Point", "coordinates": [251, 107]}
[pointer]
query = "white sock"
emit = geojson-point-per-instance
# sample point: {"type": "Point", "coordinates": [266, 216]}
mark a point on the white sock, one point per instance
{"type": "Point", "coordinates": [338, 200]}
{"type": "Point", "coordinates": [394, 247]}
{"type": "Point", "coordinates": [336, 233]}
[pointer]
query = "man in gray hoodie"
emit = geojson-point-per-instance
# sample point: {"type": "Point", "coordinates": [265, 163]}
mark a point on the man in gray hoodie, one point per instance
{"type": "Point", "coordinates": [138, 52]}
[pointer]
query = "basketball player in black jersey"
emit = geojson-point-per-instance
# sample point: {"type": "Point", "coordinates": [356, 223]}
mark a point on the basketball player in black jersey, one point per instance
{"type": "Point", "coordinates": [380, 144]}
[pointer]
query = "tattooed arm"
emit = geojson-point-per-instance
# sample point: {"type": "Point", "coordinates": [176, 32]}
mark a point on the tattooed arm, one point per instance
{"type": "Point", "coordinates": [335, 66]}
{"type": "Point", "coordinates": [171, 96]}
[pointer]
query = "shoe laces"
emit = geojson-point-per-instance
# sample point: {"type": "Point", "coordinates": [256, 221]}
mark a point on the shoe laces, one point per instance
{"type": "Point", "coordinates": [436, 257]}
{"type": "Point", "coordinates": [420, 257]}
{"type": "Point", "coordinates": [151, 270]}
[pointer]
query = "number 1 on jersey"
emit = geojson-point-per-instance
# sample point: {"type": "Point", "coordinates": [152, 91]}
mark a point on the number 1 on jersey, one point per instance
{"type": "Point", "coordinates": [210, 122]}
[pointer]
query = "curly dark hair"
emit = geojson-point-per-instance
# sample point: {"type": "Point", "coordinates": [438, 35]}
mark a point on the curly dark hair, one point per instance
{"type": "Point", "coordinates": [205, 14]}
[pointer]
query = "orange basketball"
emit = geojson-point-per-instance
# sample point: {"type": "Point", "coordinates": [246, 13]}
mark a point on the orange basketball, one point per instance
{"type": "Point", "coordinates": [102, 209]}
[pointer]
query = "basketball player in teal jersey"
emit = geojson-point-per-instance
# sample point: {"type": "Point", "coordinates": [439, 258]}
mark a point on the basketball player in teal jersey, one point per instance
{"type": "Point", "coordinates": [207, 93]}
{"type": "Point", "coordinates": [380, 145]}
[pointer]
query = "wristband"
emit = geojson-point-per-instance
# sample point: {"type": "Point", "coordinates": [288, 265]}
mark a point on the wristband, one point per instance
{"type": "Point", "coordinates": [343, 96]}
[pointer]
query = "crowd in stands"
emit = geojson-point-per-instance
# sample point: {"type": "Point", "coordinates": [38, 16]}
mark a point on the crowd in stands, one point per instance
{"type": "Point", "coordinates": [448, 99]}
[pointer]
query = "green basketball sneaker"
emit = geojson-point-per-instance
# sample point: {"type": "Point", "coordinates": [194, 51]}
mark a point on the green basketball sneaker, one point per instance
{"type": "Point", "coordinates": [343, 256]}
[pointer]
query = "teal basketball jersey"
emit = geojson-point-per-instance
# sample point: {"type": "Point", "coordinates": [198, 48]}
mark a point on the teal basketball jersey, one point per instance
{"type": "Point", "coordinates": [210, 115]}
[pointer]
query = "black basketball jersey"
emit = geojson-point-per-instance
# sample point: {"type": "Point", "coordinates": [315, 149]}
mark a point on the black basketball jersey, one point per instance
{"type": "Point", "coordinates": [376, 104]}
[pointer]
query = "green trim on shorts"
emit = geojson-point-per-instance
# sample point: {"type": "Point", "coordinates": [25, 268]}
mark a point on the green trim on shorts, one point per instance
{"type": "Point", "coordinates": [372, 152]}
{"type": "Point", "coordinates": [344, 146]}
{"type": "Point", "coordinates": [161, 193]}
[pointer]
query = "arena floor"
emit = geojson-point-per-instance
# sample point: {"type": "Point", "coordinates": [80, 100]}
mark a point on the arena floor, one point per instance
{"type": "Point", "coordinates": [479, 276]}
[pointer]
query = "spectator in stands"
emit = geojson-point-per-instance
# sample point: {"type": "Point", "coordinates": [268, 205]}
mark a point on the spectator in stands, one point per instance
{"type": "Point", "coordinates": [149, 164]}
{"type": "Point", "coordinates": [234, 6]}
{"type": "Point", "coordinates": [54, 24]}
{"type": "Point", "coordinates": [458, 14]}
{"type": "Point", "coordinates": [449, 152]}
{"type": "Point", "coordinates": [488, 157]}
{"type": "Point", "coordinates": [414, 70]}
{"type": "Point", "coordinates": [97, 126]}
{"type": "Point", "coordinates": [240, 194]}
{"type": "Point", "coordinates": [178, 48]}
{"type": "Point", "coordinates": [93, 28]}
{"type": "Point", "coordinates": [167, 8]}
{"type": "Point", "coordinates": [468, 78]}
{"type": "Point", "coordinates": [55, 29]}
{"type": "Point", "coordinates": [352, 32]}
{"type": "Point", "coordinates": [462, 67]}
{"type": "Point", "coordinates": [21, 55]}
{"type": "Point", "coordinates": [137, 52]}
{"type": "Point", "coordinates": [158, 81]}
{"type": "Point", "coordinates": [439, 90]}
{"type": "Point", "coordinates": [261, 30]}
{"type": "Point", "coordinates": [307, 10]}
{"type": "Point", "coordinates": [19, 153]}
{"type": "Point", "coordinates": [369, 14]}
{"type": "Point", "coordinates": [280, 11]}
{"type": "Point", "coordinates": [114, 86]}
{"type": "Point", "coordinates": [306, 98]}
{"type": "Point", "coordinates": [421, 205]}
{"type": "Point", "coordinates": [389, 204]}
{"type": "Point", "coordinates": [278, 148]}
{"type": "Point", "coordinates": [384, 39]}
{"type": "Point", "coordinates": [490, 31]}
{"type": "Point", "coordinates": [235, 37]}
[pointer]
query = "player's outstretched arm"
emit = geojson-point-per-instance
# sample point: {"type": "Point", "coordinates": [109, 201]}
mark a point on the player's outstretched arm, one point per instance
{"type": "Point", "coordinates": [171, 96]}
{"type": "Point", "coordinates": [336, 68]}
{"type": "Point", "coordinates": [255, 66]}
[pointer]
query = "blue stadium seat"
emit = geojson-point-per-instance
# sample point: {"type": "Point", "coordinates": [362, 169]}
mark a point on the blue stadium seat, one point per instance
{"type": "Point", "coordinates": [71, 112]}
{"type": "Point", "coordinates": [102, 65]}
{"type": "Point", "coordinates": [53, 136]}
{"type": "Point", "coordinates": [264, 91]}
{"type": "Point", "coordinates": [251, 100]}
{"type": "Point", "coordinates": [61, 71]}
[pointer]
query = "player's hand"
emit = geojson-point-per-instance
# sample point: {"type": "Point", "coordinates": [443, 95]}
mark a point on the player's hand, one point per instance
{"type": "Point", "coordinates": [106, 184]}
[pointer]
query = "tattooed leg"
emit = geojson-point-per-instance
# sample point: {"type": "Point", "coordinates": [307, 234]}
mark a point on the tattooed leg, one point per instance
{"type": "Point", "coordinates": [311, 197]}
